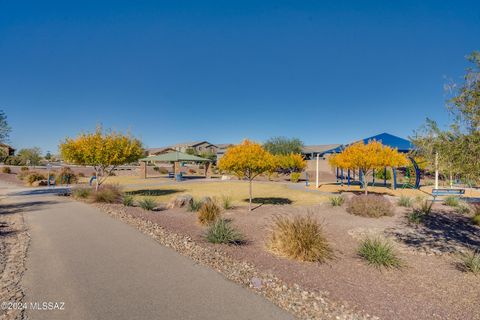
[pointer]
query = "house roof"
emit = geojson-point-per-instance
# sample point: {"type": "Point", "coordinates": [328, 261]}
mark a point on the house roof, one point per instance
{"type": "Point", "coordinates": [319, 148]}
{"type": "Point", "coordinates": [174, 157]}
{"type": "Point", "coordinates": [6, 145]}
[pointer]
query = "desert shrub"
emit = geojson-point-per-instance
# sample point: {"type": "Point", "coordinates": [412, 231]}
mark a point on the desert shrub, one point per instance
{"type": "Point", "coordinates": [14, 161]}
{"type": "Point", "coordinates": [300, 238]}
{"type": "Point", "coordinates": [451, 201]}
{"type": "Point", "coordinates": [6, 170]}
{"type": "Point", "coordinates": [405, 201]}
{"type": "Point", "coordinates": [294, 177]}
{"type": "Point", "coordinates": [336, 201]}
{"type": "Point", "coordinates": [194, 205]}
{"type": "Point", "coordinates": [227, 202]}
{"type": "Point", "coordinates": [476, 219]}
{"type": "Point", "coordinates": [369, 206]}
{"type": "Point", "coordinates": [81, 175]}
{"type": "Point", "coordinates": [201, 167]}
{"type": "Point", "coordinates": [24, 168]}
{"type": "Point", "coordinates": [81, 193]}
{"type": "Point", "coordinates": [157, 169]}
{"type": "Point", "coordinates": [128, 200]}
{"type": "Point", "coordinates": [109, 193]}
{"type": "Point", "coordinates": [147, 204]}
{"type": "Point", "coordinates": [415, 217]}
{"type": "Point", "coordinates": [470, 262]}
{"type": "Point", "coordinates": [66, 176]}
{"type": "Point", "coordinates": [379, 253]}
{"type": "Point", "coordinates": [425, 207]}
{"type": "Point", "coordinates": [475, 208]}
{"type": "Point", "coordinates": [221, 231]}
{"type": "Point", "coordinates": [462, 208]}
{"type": "Point", "coordinates": [208, 212]}
{"type": "Point", "coordinates": [35, 176]}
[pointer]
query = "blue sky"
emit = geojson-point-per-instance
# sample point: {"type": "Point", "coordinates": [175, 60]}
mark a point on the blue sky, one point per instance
{"type": "Point", "coordinates": [172, 71]}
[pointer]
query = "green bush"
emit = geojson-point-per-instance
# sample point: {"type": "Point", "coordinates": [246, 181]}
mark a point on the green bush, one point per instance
{"type": "Point", "coordinates": [128, 200]}
{"type": "Point", "coordinates": [194, 205]}
{"type": "Point", "coordinates": [294, 177]}
{"type": "Point", "coordinates": [337, 201]}
{"type": "Point", "coordinates": [147, 204]}
{"type": "Point", "coordinates": [208, 213]}
{"type": "Point", "coordinates": [35, 176]}
{"type": "Point", "coordinates": [369, 206]}
{"type": "Point", "coordinates": [109, 193]}
{"type": "Point", "coordinates": [476, 219]}
{"type": "Point", "coordinates": [379, 253]}
{"type": "Point", "coordinates": [222, 232]}
{"type": "Point", "coordinates": [14, 161]}
{"type": "Point", "coordinates": [227, 202]}
{"type": "Point", "coordinates": [300, 238]}
{"type": "Point", "coordinates": [425, 207]}
{"type": "Point", "coordinates": [451, 201]}
{"type": "Point", "coordinates": [405, 201]}
{"type": "Point", "coordinates": [6, 170]}
{"type": "Point", "coordinates": [81, 193]}
{"type": "Point", "coordinates": [415, 217]}
{"type": "Point", "coordinates": [66, 176]}
{"type": "Point", "coordinates": [470, 262]}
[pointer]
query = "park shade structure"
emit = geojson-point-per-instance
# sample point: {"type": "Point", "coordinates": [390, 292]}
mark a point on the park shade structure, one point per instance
{"type": "Point", "coordinates": [386, 139]}
{"type": "Point", "coordinates": [175, 157]}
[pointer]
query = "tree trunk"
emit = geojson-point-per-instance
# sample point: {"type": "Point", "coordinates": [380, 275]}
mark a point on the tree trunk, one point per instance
{"type": "Point", "coordinates": [365, 182]}
{"type": "Point", "coordinates": [250, 193]}
{"type": "Point", "coordinates": [96, 180]}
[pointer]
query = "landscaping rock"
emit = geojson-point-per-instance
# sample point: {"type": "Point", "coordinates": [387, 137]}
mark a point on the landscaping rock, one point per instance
{"type": "Point", "coordinates": [180, 201]}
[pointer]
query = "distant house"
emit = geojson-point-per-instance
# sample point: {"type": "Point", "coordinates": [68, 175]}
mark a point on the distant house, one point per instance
{"type": "Point", "coordinates": [310, 152]}
{"type": "Point", "coordinates": [198, 147]}
{"type": "Point", "coordinates": [222, 148]}
{"type": "Point", "coordinates": [8, 150]}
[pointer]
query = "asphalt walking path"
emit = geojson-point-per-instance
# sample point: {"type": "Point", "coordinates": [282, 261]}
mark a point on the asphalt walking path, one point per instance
{"type": "Point", "coordinates": [95, 267]}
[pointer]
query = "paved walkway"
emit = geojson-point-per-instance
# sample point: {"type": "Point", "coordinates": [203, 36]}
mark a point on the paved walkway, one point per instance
{"type": "Point", "coordinates": [101, 268]}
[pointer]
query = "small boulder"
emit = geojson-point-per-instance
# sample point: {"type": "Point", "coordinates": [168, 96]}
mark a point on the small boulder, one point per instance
{"type": "Point", "coordinates": [180, 201]}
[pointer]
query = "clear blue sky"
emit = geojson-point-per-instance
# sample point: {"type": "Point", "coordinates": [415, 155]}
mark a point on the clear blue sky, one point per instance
{"type": "Point", "coordinates": [173, 71]}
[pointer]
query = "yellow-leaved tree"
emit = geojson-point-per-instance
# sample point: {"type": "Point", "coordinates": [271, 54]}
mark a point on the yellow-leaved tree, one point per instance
{"type": "Point", "coordinates": [247, 160]}
{"type": "Point", "coordinates": [103, 150]}
{"type": "Point", "coordinates": [367, 157]}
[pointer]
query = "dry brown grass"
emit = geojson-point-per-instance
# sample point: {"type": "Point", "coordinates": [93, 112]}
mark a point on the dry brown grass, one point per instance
{"type": "Point", "coordinates": [369, 206]}
{"type": "Point", "coordinates": [209, 212]}
{"type": "Point", "coordinates": [299, 238]}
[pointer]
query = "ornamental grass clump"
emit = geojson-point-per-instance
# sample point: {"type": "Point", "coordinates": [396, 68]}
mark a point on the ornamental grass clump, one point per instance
{"type": "Point", "coordinates": [148, 204]}
{"type": "Point", "coordinates": [6, 170]}
{"type": "Point", "coordinates": [109, 193]}
{"type": "Point", "coordinates": [405, 201]}
{"type": "Point", "coordinates": [476, 220]}
{"type": "Point", "coordinates": [221, 231]}
{"type": "Point", "coordinates": [227, 202]}
{"type": "Point", "coordinates": [451, 201]}
{"type": "Point", "coordinates": [81, 193]}
{"type": "Point", "coordinates": [415, 217]}
{"type": "Point", "coordinates": [209, 212]}
{"type": "Point", "coordinates": [194, 205]}
{"type": "Point", "coordinates": [470, 262]}
{"type": "Point", "coordinates": [336, 201]}
{"type": "Point", "coordinates": [128, 200]}
{"type": "Point", "coordinates": [299, 238]}
{"type": "Point", "coordinates": [379, 253]}
{"type": "Point", "coordinates": [369, 206]}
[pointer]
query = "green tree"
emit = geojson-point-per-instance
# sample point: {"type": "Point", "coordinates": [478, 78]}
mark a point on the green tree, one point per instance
{"type": "Point", "coordinates": [283, 145]}
{"type": "Point", "coordinates": [104, 151]}
{"type": "Point", "coordinates": [247, 160]}
{"type": "Point", "coordinates": [31, 156]}
{"type": "Point", "coordinates": [4, 128]}
{"type": "Point", "coordinates": [48, 155]}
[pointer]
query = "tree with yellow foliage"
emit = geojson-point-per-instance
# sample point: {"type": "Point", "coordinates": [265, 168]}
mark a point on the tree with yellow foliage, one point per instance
{"type": "Point", "coordinates": [247, 160]}
{"type": "Point", "coordinates": [103, 151]}
{"type": "Point", "coordinates": [367, 157]}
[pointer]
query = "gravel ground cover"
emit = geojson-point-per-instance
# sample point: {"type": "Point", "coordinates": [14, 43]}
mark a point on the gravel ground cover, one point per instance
{"type": "Point", "coordinates": [430, 286]}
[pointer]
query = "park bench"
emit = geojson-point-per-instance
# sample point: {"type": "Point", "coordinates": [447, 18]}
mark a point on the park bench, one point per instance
{"type": "Point", "coordinates": [447, 192]}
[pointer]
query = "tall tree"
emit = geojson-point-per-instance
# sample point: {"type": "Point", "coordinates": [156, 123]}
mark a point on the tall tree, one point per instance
{"type": "Point", "coordinates": [4, 128]}
{"type": "Point", "coordinates": [283, 145]}
{"type": "Point", "coordinates": [247, 160]}
{"type": "Point", "coordinates": [30, 156]}
{"type": "Point", "coordinates": [367, 157]}
{"type": "Point", "coordinates": [105, 151]}
{"type": "Point", "coordinates": [457, 148]}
